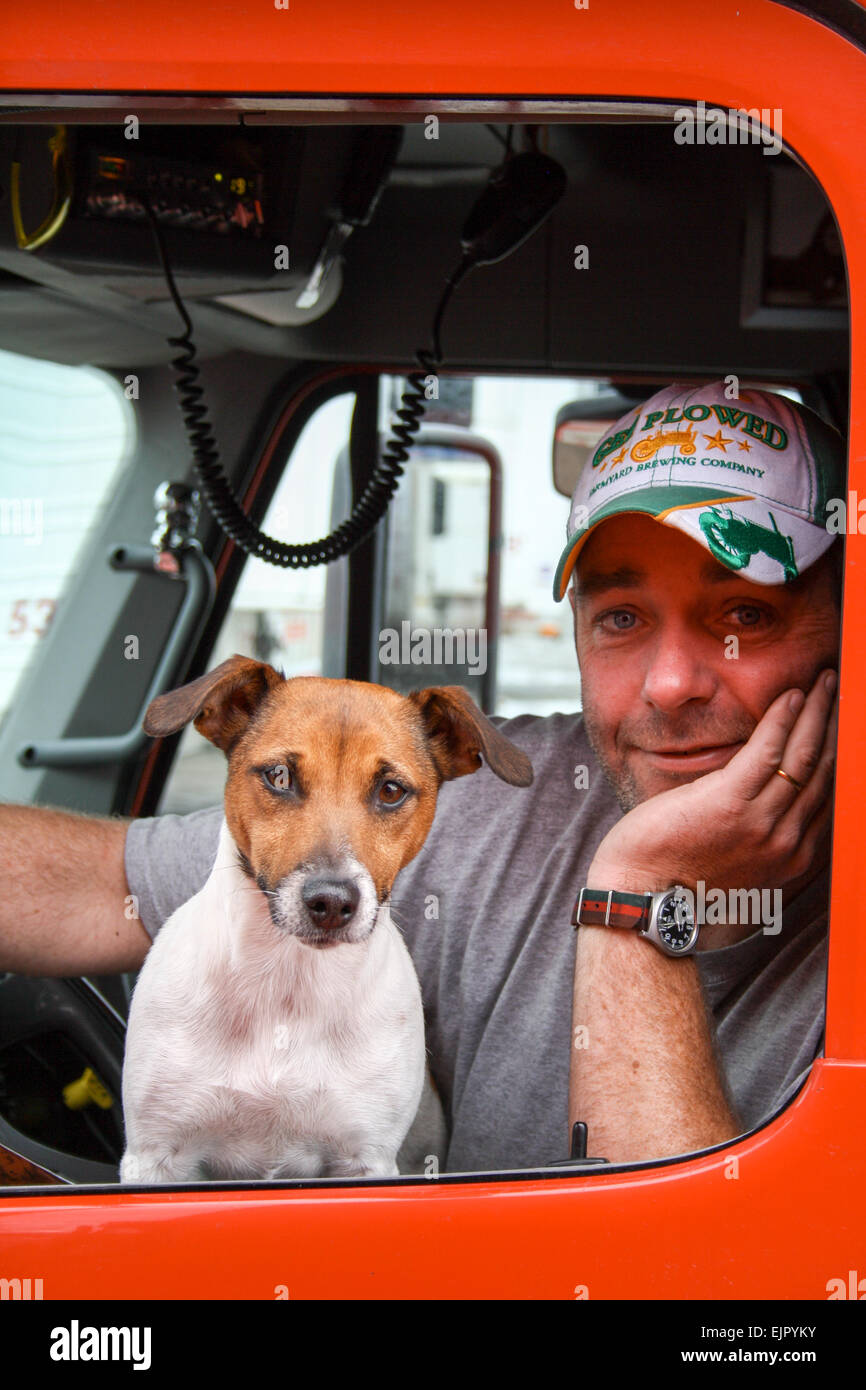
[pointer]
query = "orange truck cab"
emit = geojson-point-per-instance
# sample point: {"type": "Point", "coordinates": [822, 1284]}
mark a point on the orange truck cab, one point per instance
{"type": "Point", "coordinates": [671, 255]}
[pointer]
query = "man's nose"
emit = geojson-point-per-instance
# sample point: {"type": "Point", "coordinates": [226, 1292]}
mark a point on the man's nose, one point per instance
{"type": "Point", "coordinates": [682, 667]}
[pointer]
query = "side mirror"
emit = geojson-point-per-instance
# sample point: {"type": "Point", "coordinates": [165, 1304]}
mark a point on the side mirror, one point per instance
{"type": "Point", "coordinates": [579, 427]}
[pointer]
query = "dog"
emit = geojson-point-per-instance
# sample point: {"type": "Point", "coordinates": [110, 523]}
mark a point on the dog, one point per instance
{"type": "Point", "coordinates": [276, 1028]}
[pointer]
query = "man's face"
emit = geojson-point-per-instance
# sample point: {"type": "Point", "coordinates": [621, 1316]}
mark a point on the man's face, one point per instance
{"type": "Point", "coordinates": [667, 696]}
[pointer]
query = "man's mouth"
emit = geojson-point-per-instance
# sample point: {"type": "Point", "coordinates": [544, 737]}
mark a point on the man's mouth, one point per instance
{"type": "Point", "coordinates": [696, 758]}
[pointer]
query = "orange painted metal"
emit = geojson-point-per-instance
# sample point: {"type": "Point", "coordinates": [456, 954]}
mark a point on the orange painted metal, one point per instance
{"type": "Point", "coordinates": [497, 47]}
{"type": "Point", "coordinates": [784, 1225]}
{"type": "Point", "coordinates": [794, 1215]}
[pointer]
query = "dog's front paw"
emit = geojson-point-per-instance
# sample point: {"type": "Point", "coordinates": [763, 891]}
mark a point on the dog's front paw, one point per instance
{"type": "Point", "coordinates": [368, 1163]}
{"type": "Point", "coordinates": [145, 1168]}
{"type": "Point", "coordinates": [132, 1170]}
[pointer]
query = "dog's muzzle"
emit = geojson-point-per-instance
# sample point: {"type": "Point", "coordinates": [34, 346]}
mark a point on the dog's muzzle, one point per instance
{"type": "Point", "coordinates": [326, 905]}
{"type": "Point", "coordinates": [331, 903]}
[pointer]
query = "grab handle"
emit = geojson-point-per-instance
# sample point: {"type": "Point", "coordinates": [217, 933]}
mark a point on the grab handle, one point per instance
{"type": "Point", "coordinates": [196, 570]}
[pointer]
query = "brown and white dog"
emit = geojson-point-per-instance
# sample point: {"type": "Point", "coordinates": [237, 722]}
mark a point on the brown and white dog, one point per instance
{"type": "Point", "coordinates": [276, 1027]}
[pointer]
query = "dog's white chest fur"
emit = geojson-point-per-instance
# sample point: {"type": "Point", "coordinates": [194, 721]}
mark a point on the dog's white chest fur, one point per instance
{"type": "Point", "coordinates": [252, 1055]}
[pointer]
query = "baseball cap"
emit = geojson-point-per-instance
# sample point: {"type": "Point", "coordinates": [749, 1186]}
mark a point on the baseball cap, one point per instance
{"type": "Point", "coordinates": [748, 477]}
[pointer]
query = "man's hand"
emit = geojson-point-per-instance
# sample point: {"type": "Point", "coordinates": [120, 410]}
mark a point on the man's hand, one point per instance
{"type": "Point", "coordinates": [742, 826]}
{"type": "Point", "coordinates": [647, 1083]}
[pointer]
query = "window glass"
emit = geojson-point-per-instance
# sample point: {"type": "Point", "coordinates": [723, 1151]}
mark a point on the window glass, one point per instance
{"type": "Point", "coordinates": [276, 615]}
{"type": "Point", "coordinates": [438, 527]}
{"type": "Point", "coordinates": [68, 434]}
{"type": "Point", "coordinates": [434, 582]}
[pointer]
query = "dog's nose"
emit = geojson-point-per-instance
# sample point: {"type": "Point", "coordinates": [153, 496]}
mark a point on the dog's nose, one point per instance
{"type": "Point", "coordinates": [330, 902]}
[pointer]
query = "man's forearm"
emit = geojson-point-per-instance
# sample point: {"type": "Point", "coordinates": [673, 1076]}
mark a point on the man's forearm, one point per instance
{"type": "Point", "coordinates": [64, 906]}
{"type": "Point", "coordinates": [644, 1076]}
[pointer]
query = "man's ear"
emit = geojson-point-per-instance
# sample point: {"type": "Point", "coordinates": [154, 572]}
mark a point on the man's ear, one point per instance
{"type": "Point", "coordinates": [220, 703]}
{"type": "Point", "coordinates": [458, 733]}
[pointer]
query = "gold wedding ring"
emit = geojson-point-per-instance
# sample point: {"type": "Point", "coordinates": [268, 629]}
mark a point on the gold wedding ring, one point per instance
{"type": "Point", "coordinates": [788, 778]}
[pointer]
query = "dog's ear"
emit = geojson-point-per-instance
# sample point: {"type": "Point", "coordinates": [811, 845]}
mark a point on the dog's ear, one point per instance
{"type": "Point", "coordinates": [220, 702]}
{"type": "Point", "coordinates": [458, 733]}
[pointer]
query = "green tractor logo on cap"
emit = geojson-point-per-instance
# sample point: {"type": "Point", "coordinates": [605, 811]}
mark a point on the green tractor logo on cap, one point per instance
{"type": "Point", "coordinates": [734, 539]}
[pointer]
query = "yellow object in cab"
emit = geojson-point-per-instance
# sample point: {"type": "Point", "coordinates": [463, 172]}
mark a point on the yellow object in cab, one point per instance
{"type": "Point", "coordinates": [87, 1089]}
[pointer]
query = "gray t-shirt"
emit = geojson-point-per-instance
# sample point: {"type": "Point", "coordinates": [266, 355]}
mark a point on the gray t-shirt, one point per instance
{"type": "Point", "coordinates": [486, 909]}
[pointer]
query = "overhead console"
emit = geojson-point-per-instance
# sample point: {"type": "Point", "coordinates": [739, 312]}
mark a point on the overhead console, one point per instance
{"type": "Point", "coordinates": [242, 210]}
{"type": "Point", "coordinates": [661, 257]}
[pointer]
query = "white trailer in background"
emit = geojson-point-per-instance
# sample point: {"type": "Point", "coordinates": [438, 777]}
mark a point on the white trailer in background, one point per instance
{"type": "Point", "coordinates": [67, 436]}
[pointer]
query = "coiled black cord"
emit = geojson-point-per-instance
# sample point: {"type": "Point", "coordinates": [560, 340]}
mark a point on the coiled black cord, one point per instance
{"type": "Point", "coordinates": [373, 502]}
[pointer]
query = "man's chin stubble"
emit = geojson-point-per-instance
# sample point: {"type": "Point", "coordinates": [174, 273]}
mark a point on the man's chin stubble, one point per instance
{"type": "Point", "coordinates": [621, 779]}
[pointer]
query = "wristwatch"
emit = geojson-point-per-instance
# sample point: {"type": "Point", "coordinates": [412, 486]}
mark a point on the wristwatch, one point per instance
{"type": "Point", "coordinates": [666, 919]}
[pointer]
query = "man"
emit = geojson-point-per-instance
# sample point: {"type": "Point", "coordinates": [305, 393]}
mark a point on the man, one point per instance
{"type": "Point", "coordinates": [705, 595]}
{"type": "Point", "coordinates": [691, 691]}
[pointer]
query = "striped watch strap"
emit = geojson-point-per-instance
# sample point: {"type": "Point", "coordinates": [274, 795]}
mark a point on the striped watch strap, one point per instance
{"type": "Point", "coordinates": [603, 907]}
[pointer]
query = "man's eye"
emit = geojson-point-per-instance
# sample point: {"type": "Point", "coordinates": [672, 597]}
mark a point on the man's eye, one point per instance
{"type": "Point", "coordinates": [618, 620]}
{"type": "Point", "coordinates": [392, 794]}
{"type": "Point", "coordinates": [279, 777]}
{"type": "Point", "coordinates": [748, 614]}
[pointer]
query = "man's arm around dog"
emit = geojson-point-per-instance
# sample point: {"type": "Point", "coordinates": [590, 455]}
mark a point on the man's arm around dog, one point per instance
{"type": "Point", "coordinates": [64, 905]}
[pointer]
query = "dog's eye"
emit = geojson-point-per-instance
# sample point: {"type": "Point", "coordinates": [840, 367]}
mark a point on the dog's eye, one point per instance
{"type": "Point", "coordinates": [279, 777]}
{"type": "Point", "coordinates": [391, 793]}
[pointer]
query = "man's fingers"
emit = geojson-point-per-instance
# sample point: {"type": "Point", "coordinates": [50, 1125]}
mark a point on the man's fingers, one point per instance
{"type": "Point", "coordinates": [791, 736]}
{"type": "Point", "coordinates": [758, 760]}
{"type": "Point", "coordinates": [809, 752]}
{"type": "Point", "coordinates": [815, 795]}
{"type": "Point", "coordinates": [807, 739]}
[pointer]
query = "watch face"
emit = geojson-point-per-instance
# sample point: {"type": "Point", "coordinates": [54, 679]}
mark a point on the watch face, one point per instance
{"type": "Point", "coordinates": [675, 923]}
